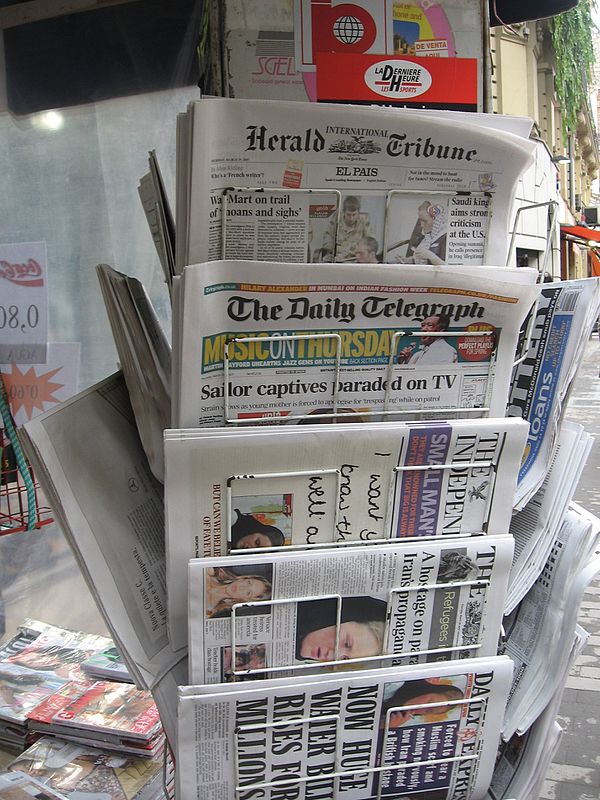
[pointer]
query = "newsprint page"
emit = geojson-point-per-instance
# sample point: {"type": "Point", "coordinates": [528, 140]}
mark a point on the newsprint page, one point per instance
{"type": "Point", "coordinates": [332, 484]}
{"type": "Point", "coordinates": [430, 732]}
{"type": "Point", "coordinates": [265, 616]}
{"type": "Point", "coordinates": [279, 343]}
{"type": "Point", "coordinates": [317, 170]}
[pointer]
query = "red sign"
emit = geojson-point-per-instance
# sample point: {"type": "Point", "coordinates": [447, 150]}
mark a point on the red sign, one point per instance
{"type": "Point", "coordinates": [423, 82]}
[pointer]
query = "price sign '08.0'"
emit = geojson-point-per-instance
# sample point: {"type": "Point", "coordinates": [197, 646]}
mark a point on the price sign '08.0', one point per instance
{"type": "Point", "coordinates": [23, 303]}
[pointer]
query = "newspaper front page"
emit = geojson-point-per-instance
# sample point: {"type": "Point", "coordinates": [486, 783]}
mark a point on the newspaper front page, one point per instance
{"type": "Point", "coordinates": [331, 484]}
{"type": "Point", "coordinates": [438, 724]}
{"type": "Point", "coordinates": [562, 324]}
{"type": "Point", "coordinates": [249, 615]}
{"type": "Point", "coordinates": [91, 464]}
{"type": "Point", "coordinates": [426, 188]}
{"type": "Point", "coordinates": [367, 341]}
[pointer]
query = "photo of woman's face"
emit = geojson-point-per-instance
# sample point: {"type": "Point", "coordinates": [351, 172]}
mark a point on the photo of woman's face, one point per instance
{"type": "Point", "coordinates": [418, 707]}
{"type": "Point", "coordinates": [252, 540]}
{"type": "Point", "coordinates": [244, 589]}
{"type": "Point", "coordinates": [356, 641]}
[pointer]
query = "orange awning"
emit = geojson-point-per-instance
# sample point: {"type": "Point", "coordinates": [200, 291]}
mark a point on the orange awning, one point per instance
{"type": "Point", "coordinates": [581, 232]}
{"type": "Point", "coordinates": [595, 264]}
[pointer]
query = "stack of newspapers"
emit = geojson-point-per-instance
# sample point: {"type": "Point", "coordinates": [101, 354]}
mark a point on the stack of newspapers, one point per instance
{"type": "Point", "coordinates": [359, 398]}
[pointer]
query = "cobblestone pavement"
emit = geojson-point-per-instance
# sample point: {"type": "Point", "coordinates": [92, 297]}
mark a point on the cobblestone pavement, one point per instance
{"type": "Point", "coordinates": [575, 773]}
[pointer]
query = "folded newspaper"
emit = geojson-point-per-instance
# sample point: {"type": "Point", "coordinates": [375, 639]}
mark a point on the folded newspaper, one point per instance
{"type": "Point", "coordinates": [90, 462]}
{"type": "Point", "coordinates": [428, 732]}
{"type": "Point", "coordinates": [540, 631]}
{"type": "Point", "coordinates": [535, 527]}
{"type": "Point", "coordinates": [331, 484]}
{"type": "Point", "coordinates": [144, 355]}
{"type": "Point", "coordinates": [337, 183]}
{"type": "Point", "coordinates": [523, 761]}
{"type": "Point", "coordinates": [278, 614]}
{"type": "Point", "coordinates": [253, 342]}
{"type": "Point", "coordinates": [561, 327]}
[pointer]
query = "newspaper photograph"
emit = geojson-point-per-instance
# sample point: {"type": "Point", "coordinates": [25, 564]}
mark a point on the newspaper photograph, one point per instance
{"type": "Point", "coordinates": [362, 152]}
{"type": "Point", "coordinates": [437, 228]}
{"type": "Point", "coordinates": [430, 732]}
{"type": "Point", "coordinates": [370, 342]}
{"type": "Point", "coordinates": [309, 226]}
{"type": "Point", "coordinates": [564, 316]}
{"type": "Point", "coordinates": [277, 614]}
{"type": "Point", "coordinates": [333, 484]}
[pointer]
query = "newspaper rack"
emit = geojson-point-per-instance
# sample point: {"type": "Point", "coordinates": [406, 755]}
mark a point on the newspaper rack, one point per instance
{"type": "Point", "coordinates": [552, 207]}
{"type": "Point", "coordinates": [374, 661]}
{"type": "Point", "coordinates": [338, 772]}
{"type": "Point", "coordinates": [488, 465]}
{"type": "Point", "coordinates": [337, 414]}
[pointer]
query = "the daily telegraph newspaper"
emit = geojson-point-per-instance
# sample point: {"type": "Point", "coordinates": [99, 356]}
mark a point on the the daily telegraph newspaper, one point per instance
{"type": "Point", "coordinates": [408, 186]}
{"type": "Point", "coordinates": [278, 614]}
{"type": "Point", "coordinates": [89, 459]}
{"type": "Point", "coordinates": [354, 339]}
{"type": "Point", "coordinates": [426, 732]}
{"type": "Point", "coordinates": [560, 329]}
{"type": "Point", "coordinates": [231, 490]}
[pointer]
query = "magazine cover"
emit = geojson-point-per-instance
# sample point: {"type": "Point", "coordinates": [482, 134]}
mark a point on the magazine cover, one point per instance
{"type": "Point", "coordinates": [112, 707]}
{"type": "Point", "coordinates": [18, 786]}
{"type": "Point", "coordinates": [107, 664]}
{"type": "Point", "coordinates": [21, 689]}
{"type": "Point", "coordinates": [278, 614]}
{"type": "Point", "coordinates": [59, 654]}
{"type": "Point", "coordinates": [80, 771]}
{"type": "Point", "coordinates": [426, 732]}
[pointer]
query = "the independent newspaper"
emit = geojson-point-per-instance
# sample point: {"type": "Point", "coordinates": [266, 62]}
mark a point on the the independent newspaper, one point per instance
{"type": "Point", "coordinates": [231, 490]}
{"type": "Point", "coordinates": [280, 343]}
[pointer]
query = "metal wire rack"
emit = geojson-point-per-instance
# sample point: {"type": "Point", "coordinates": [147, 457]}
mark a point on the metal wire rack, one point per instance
{"type": "Point", "coordinates": [21, 504]}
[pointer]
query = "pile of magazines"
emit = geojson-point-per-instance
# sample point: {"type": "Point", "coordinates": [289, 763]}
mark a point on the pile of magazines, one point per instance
{"type": "Point", "coordinates": [56, 715]}
{"type": "Point", "coordinates": [358, 402]}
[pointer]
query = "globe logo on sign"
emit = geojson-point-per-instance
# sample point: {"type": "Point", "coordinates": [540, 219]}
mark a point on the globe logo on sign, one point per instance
{"type": "Point", "coordinates": [348, 29]}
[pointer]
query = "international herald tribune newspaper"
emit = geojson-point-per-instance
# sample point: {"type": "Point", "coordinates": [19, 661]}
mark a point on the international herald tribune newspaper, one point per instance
{"type": "Point", "coordinates": [273, 615]}
{"type": "Point", "coordinates": [328, 733]}
{"type": "Point", "coordinates": [300, 343]}
{"type": "Point", "coordinates": [409, 181]}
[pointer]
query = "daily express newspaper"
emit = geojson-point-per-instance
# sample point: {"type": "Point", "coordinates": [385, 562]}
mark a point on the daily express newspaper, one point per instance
{"type": "Point", "coordinates": [356, 339]}
{"type": "Point", "coordinates": [561, 326]}
{"type": "Point", "coordinates": [330, 735]}
{"type": "Point", "coordinates": [404, 186]}
{"type": "Point", "coordinates": [279, 614]}
{"type": "Point", "coordinates": [231, 490]}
